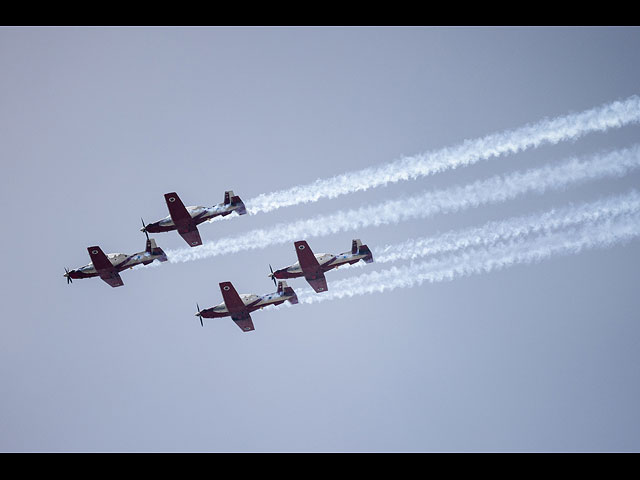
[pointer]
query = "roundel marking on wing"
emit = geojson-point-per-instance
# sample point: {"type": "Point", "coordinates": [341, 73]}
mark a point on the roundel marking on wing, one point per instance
{"type": "Point", "coordinates": [226, 287]}
{"type": "Point", "coordinates": [300, 247]}
{"type": "Point", "coordinates": [95, 252]}
{"type": "Point", "coordinates": [172, 199]}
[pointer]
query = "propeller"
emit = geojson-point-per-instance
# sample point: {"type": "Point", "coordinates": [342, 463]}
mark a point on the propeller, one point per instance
{"type": "Point", "coordinates": [67, 275]}
{"type": "Point", "coordinates": [199, 314]}
{"type": "Point", "coordinates": [273, 276]}
{"type": "Point", "coordinates": [144, 228]}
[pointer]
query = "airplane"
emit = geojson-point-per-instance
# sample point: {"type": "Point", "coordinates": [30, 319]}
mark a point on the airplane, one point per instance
{"type": "Point", "coordinates": [313, 266]}
{"type": "Point", "coordinates": [109, 266]}
{"type": "Point", "coordinates": [186, 219]}
{"type": "Point", "coordinates": [239, 307]}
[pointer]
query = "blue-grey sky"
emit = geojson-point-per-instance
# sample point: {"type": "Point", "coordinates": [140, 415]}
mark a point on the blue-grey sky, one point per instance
{"type": "Point", "coordinates": [97, 124]}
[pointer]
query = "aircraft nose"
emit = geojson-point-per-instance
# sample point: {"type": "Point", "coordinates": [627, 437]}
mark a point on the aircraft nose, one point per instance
{"type": "Point", "coordinates": [67, 275]}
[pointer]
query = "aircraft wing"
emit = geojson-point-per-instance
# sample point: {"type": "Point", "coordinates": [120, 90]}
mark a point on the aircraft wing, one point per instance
{"type": "Point", "coordinates": [307, 259]}
{"type": "Point", "coordinates": [244, 322]}
{"type": "Point", "coordinates": [318, 283]}
{"type": "Point", "coordinates": [112, 279]}
{"type": "Point", "coordinates": [104, 267]}
{"type": "Point", "coordinates": [99, 259]}
{"type": "Point", "coordinates": [177, 210]}
{"type": "Point", "coordinates": [236, 307]}
{"type": "Point", "coordinates": [192, 237]}
{"type": "Point", "coordinates": [232, 300]}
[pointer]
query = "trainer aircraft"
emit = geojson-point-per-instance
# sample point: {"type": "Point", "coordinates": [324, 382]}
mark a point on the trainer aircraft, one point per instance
{"type": "Point", "coordinates": [108, 266]}
{"type": "Point", "coordinates": [239, 307]}
{"type": "Point", "coordinates": [186, 219]}
{"type": "Point", "coordinates": [313, 266]}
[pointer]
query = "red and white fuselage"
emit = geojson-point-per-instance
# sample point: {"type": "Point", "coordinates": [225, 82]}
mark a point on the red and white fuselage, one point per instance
{"type": "Point", "coordinates": [186, 219]}
{"type": "Point", "coordinates": [198, 214]}
{"type": "Point", "coordinates": [313, 266]}
{"type": "Point", "coordinates": [108, 266]}
{"type": "Point", "coordinates": [240, 306]}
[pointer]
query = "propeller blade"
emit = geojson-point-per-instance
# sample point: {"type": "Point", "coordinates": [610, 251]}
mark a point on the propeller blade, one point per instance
{"type": "Point", "coordinates": [69, 280]}
{"type": "Point", "coordinates": [199, 314]}
{"type": "Point", "coordinates": [144, 228]}
{"type": "Point", "coordinates": [272, 276]}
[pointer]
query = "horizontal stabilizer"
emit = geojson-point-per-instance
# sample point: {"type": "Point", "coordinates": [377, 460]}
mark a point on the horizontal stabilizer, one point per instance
{"type": "Point", "coordinates": [357, 248]}
{"type": "Point", "coordinates": [231, 199]}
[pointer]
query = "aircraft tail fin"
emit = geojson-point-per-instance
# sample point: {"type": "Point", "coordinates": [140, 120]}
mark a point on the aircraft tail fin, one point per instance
{"type": "Point", "coordinates": [358, 248]}
{"type": "Point", "coordinates": [287, 290]}
{"type": "Point", "coordinates": [231, 199]}
{"type": "Point", "coordinates": [154, 249]}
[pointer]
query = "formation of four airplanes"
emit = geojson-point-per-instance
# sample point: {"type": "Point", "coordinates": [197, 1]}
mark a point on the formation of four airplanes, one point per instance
{"type": "Point", "coordinates": [239, 307]}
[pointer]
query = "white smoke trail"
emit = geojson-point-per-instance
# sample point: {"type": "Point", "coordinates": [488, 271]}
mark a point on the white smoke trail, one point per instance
{"type": "Point", "coordinates": [495, 189]}
{"type": "Point", "coordinates": [569, 127]}
{"type": "Point", "coordinates": [482, 260]}
{"type": "Point", "coordinates": [517, 227]}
